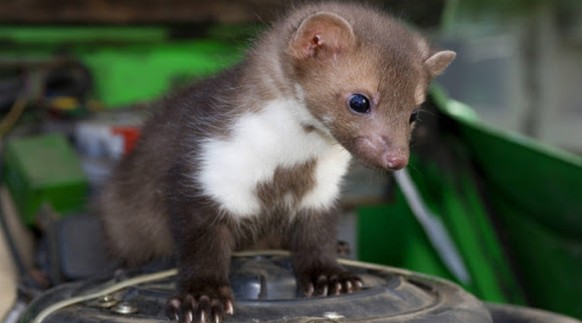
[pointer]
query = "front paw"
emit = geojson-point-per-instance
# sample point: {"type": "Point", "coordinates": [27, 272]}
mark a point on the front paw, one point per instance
{"type": "Point", "coordinates": [201, 305]}
{"type": "Point", "coordinates": [329, 282]}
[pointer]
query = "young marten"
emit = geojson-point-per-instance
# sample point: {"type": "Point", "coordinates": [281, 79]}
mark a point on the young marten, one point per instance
{"type": "Point", "coordinates": [258, 152]}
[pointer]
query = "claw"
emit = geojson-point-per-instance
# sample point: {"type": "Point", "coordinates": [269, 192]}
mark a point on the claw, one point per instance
{"type": "Point", "coordinates": [332, 283]}
{"type": "Point", "coordinates": [205, 308]}
{"type": "Point", "coordinates": [175, 303]}
{"type": "Point", "coordinates": [310, 290]}
{"type": "Point", "coordinates": [348, 287]}
{"type": "Point", "coordinates": [229, 308]}
{"type": "Point", "coordinates": [173, 308]}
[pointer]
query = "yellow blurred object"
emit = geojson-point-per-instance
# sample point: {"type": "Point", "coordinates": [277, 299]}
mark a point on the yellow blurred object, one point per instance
{"type": "Point", "coordinates": [65, 103]}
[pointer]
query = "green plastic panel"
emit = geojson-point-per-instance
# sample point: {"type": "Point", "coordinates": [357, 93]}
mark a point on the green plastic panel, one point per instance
{"type": "Point", "coordinates": [128, 64]}
{"type": "Point", "coordinates": [77, 35]}
{"type": "Point", "coordinates": [536, 194]}
{"type": "Point", "coordinates": [44, 169]}
{"type": "Point", "coordinates": [391, 235]}
{"type": "Point", "coordinates": [144, 72]}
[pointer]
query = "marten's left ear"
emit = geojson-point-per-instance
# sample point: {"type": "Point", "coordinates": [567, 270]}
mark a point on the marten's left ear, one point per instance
{"type": "Point", "coordinates": [438, 62]}
{"type": "Point", "coordinates": [321, 35]}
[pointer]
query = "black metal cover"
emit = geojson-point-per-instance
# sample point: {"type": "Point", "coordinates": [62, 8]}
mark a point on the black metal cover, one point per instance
{"type": "Point", "coordinates": [265, 291]}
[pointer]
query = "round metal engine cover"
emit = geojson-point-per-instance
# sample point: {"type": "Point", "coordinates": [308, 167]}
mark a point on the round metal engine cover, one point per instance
{"type": "Point", "coordinates": [265, 291]}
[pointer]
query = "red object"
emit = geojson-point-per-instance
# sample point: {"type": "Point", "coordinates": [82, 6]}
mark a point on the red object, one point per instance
{"type": "Point", "coordinates": [130, 135]}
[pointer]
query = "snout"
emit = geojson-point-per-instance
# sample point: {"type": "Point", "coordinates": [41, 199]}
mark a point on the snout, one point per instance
{"type": "Point", "coordinates": [378, 152]}
{"type": "Point", "coordinates": [395, 160]}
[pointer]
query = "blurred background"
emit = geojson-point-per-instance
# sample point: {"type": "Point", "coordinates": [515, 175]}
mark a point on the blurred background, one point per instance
{"type": "Point", "coordinates": [519, 66]}
{"type": "Point", "coordinates": [495, 176]}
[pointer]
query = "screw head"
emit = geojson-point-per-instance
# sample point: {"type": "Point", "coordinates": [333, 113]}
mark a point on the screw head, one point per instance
{"type": "Point", "coordinates": [333, 315]}
{"type": "Point", "coordinates": [124, 308]}
{"type": "Point", "coordinates": [106, 301]}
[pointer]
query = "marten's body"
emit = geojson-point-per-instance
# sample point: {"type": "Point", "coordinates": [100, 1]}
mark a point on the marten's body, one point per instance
{"type": "Point", "coordinates": [258, 152]}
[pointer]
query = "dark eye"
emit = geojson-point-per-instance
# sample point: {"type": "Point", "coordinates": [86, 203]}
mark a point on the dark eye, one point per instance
{"type": "Point", "coordinates": [359, 103]}
{"type": "Point", "coordinates": [413, 116]}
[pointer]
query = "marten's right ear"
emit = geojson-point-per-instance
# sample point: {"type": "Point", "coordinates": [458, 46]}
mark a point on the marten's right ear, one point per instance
{"type": "Point", "coordinates": [321, 35]}
{"type": "Point", "coordinates": [439, 61]}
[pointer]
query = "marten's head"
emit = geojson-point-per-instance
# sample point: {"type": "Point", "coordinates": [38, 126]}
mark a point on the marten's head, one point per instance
{"type": "Point", "coordinates": [363, 76]}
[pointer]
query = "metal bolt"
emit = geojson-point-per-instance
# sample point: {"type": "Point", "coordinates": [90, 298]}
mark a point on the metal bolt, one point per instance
{"type": "Point", "coordinates": [106, 301]}
{"type": "Point", "coordinates": [124, 308]}
{"type": "Point", "coordinates": [333, 315]}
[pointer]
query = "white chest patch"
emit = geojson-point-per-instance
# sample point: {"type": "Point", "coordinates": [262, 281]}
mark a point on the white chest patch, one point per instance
{"type": "Point", "coordinates": [260, 142]}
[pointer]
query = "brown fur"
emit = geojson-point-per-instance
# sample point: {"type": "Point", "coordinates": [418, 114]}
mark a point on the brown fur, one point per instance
{"type": "Point", "coordinates": [288, 185]}
{"type": "Point", "coordinates": [154, 205]}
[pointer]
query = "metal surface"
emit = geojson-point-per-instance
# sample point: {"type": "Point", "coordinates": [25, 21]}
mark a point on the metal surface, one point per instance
{"type": "Point", "coordinates": [265, 291]}
{"type": "Point", "coordinates": [106, 301]}
{"type": "Point", "coordinates": [124, 308]}
{"type": "Point", "coordinates": [519, 314]}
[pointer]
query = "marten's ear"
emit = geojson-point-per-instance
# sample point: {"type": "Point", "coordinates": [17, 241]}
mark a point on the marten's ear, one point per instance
{"type": "Point", "coordinates": [321, 35]}
{"type": "Point", "coordinates": [438, 62]}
